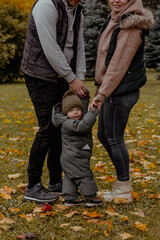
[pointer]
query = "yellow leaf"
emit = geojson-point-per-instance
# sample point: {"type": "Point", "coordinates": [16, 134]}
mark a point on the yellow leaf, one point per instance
{"type": "Point", "coordinates": [135, 195]}
{"type": "Point", "coordinates": [5, 192]}
{"type": "Point", "coordinates": [124, 218]}
{"type": "Point", "coordinates": [7, 121]}
{"type": "Point", "coordinates": [1, 216]}
{"type": "Point", "coordinates": [140, 226]}
{"type": "Point", "coordinates": [93, 214]}
{"type": "Point", "coordinates": [110, 179]}
{"type": "Point", "coordinates": [99, 166]}
{"type": "Point", "coordinates": [14, 210]}
{"type": "Point", "coordinates": [106, 233]}
{"type": "Point", "coordinates": [109, 225]}
{"type": "Point", "coordinates": [118, 200]}
{"type": "Point", "coordinates": [28, 217]}
{"type": "Point", "coordinates": [51, 213]}
{"type": "Point", "coordinates": [70, 214]}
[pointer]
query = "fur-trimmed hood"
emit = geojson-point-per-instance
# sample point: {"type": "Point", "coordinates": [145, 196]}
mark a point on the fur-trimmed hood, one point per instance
{"type": "Point", "coordinates": [141, 21]}
{"type": "Point", "coordinates": [142, 17]}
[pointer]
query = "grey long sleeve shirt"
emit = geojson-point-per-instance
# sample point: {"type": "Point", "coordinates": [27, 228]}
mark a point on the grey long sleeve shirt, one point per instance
{"type": "Point", "coordinates": [45, 14]}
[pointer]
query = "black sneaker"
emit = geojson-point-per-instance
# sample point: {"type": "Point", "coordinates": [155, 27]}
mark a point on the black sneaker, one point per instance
{"type": "Point", "coordinates": [39, 194]}
{"type": "Point", "coordinates": [72, 202]}
{"type": "Point", "coordinates": [56, 188]}
{"type": "Point", "coordinates": [92, 201]}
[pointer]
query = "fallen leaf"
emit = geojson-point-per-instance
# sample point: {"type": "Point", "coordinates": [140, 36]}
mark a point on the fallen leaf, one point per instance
{"type": "Point", "coordinates": [70, 214]}
{"type": "Point", "coordinates": [22, 187]}
{"type": "Point", "coordinates": [135, 195]}
{"type": "Point", "coordinates": [6, 191]}
{"type": "Point", "coordinates": [77, 228]}
{"type": "Point", "coordinates": [46, 207]}
{"type": "Point", "coordinates": [7, 121]}
{"type": "Point", "coordinates": [99, 146]}
{"type": "Point", "coordinates": [64, 224]}
{"type": "Point", "coordinates": [61, 207]}
{"type": "Point", "coordinates": [28, 217]}
{"type": "Point", "coordinates": [4, 227]}
{"type": "Point", "coordinates": [138, 212]}
{"type": "Point", "coordinates": [111, 213]}
{"type": "Point", "coordinates": [93, 214]}
{"type": "Point", "coordinates": [118, 200]}
{"type": "Point", "coordinates": [125, 236]}
{"type": "Point", "coordinates": [99, 166]}
{"type": "Point", "coordinates": [28, 236]}
{"type": "Point", "coordinates": [110, 179]}
{"type": "Point", "coordinates": [156, 196]}
{"type": "Point", "coordinates": [124, 218]}
{"type": "Point", "coordinates": [140, 226]}
{"type": "Point", "coordinates": [106, 233]}
{"type": "Point", "coordinates": [1, 216]}
{"type": "Point", "coordinates": [6, 221]}
{"type": "Point", "coordinates": [14, 210]}
{"type": "Point", "coordinates": [14, 176]}
{"type": "Point", "coordinates": [109, 225]}
{"type": "Point", "coordinates": [51, 213]}
{"type": "Point", "coordinates": [37, 210]}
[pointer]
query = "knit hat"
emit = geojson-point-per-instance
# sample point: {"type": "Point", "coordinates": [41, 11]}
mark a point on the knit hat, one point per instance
{"type": "Point", "coordinates": [70, 100]}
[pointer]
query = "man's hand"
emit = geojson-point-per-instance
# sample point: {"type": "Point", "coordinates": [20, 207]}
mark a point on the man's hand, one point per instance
{"type": "Point", "coordinates": [79, 87]}
{"type": "Point", "coordinates": [96, 103]}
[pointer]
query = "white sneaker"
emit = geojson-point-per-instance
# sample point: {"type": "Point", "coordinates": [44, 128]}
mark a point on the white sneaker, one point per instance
{"type": "Point", "coordinates": [121, 189]}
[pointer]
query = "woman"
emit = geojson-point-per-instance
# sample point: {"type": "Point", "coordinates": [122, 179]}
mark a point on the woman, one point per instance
{"type": "Point", "coordinates": [120, 73]}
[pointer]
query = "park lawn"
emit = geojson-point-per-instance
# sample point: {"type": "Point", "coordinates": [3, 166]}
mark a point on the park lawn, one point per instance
{"type": "Point", "coordinates": [140, 219]}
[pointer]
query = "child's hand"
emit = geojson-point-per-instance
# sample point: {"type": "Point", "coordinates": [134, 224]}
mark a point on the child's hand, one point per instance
{"type": "Point", "coordinates": [96, 103]}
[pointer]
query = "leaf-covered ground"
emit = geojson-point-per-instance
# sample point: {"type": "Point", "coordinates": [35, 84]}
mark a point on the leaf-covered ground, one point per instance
{"type": "Point", "coordinates": [137, 220]}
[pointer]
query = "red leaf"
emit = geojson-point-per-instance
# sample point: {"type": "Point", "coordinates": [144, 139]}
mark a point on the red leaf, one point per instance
{"type": "Point", "coordinates": [46, 207]}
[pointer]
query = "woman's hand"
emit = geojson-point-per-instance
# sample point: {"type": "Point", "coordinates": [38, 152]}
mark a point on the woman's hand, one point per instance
{"type": "Point", "coordinates": [96, 103]}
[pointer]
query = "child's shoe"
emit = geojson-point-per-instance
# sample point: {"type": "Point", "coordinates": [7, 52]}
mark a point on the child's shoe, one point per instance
{"type": "Point", "coordinates": [73, 200]}
{"type": "Point", "coordinates": [92, 201]}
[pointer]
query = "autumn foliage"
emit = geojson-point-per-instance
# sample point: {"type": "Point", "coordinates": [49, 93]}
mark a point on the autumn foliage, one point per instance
{"type": "Point", "coordinates": [24, 5]}
{"type": "Point", "coordinates": [116, 220]}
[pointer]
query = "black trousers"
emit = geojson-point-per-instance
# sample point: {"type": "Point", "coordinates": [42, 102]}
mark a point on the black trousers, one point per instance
{"type": "Point", "coordinates": [47, 142]}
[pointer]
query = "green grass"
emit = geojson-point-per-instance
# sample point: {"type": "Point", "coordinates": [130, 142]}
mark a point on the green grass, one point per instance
{"type": "Point", "coordinates": [17, 129]}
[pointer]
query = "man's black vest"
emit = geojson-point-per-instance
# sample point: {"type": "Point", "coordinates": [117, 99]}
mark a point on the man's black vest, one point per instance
{"type": "Point", "coordinates": [135, 76]}
{"type": "Point", "coordinates": [34, 61]}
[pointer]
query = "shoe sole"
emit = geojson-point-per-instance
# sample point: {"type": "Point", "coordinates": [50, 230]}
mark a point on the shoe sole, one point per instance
{"type": "Point", "coordinates": [73, 204]}
{"type": "Point", "coordinates": [129, 200]}
{"type": "Point", "coordinates": [92, 204]}
{"type": "Point", "coordinates": [38, 200]}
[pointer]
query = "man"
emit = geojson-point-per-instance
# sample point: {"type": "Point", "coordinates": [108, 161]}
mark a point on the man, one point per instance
{"type": "Point", "coordinates": [53, 60]}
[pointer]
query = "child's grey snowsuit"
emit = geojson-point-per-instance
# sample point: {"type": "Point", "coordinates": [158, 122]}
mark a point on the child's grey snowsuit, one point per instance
{"type": "Point", "coordinates": [76, 151]}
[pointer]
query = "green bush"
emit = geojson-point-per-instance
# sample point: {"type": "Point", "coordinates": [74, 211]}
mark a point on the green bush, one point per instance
{"type": "Point", "coordinates": [13, 24]}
